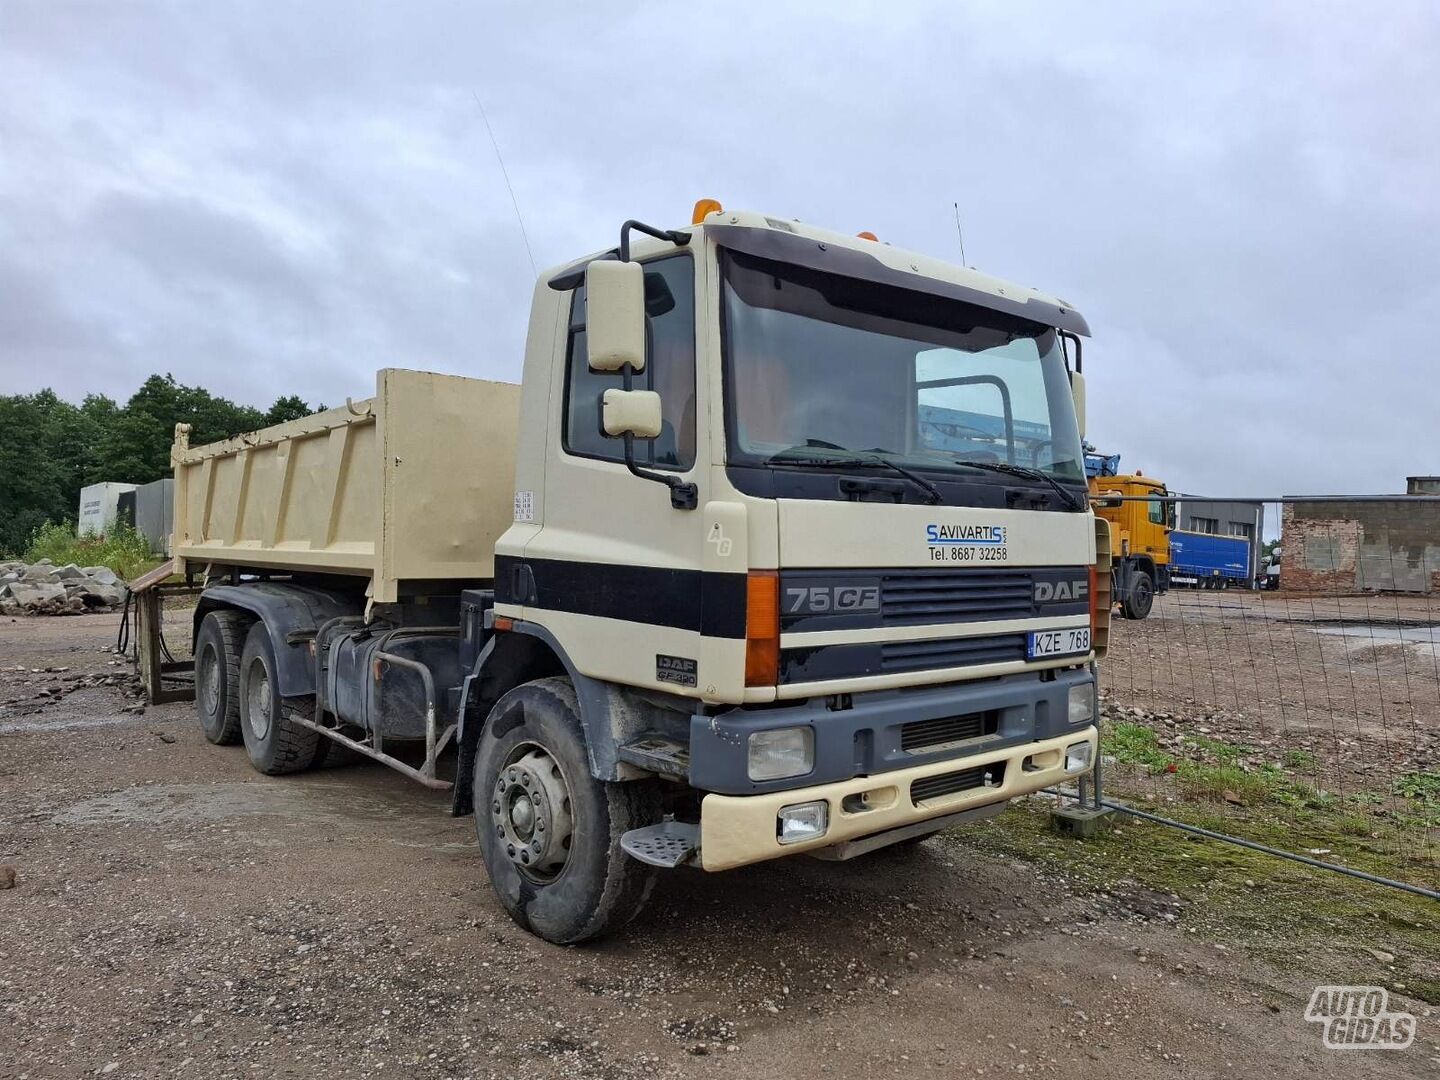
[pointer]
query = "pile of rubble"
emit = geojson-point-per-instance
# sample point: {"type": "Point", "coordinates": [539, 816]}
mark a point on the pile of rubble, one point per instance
{"type": "Point", "coordinates": [43, 588]}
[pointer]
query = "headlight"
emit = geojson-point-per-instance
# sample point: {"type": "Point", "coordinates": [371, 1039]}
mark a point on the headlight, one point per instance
{"type": "Point", "coordinates": [803, 821]}
{"type": "Point", "coordinates": [783, 752]}
{"type": "Point", "coordinates": [1078, 757]}
{"type": "Point", "coordinates": [1082, 704]}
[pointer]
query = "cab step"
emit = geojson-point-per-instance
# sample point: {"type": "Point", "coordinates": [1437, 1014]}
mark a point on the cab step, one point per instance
{"type": "Point", "coordinates": [658, 753]}
{"type": "Point", "coordinates": [668, 844]}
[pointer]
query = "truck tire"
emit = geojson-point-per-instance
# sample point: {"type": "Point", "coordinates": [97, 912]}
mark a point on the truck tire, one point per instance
{"type": "Point", "coordinates": [549, 831]}
{"type": "Point", "coordinates": [217, 675]}
{"type": "Point", "coordinates": [277, 745]}
{"type": "Point", "coordinates": [1141, 597]}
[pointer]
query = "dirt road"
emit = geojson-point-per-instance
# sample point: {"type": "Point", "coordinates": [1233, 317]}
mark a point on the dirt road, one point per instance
{"type": "Point", "coordinates": [178, 914]}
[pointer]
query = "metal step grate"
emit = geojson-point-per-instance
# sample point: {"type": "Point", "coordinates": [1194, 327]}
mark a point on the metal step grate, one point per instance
{"type": "Point", "coordinates": [667, 844]}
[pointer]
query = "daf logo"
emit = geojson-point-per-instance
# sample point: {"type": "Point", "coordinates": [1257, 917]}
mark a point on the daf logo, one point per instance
{"type": "Point", "coordinates": [1047, 592]}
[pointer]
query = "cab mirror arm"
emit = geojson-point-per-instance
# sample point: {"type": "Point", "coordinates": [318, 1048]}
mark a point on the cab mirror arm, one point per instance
{"type": "Point", "coordinates": [683, 495]}
{"type": "Point", "coordinates": [679, 239]}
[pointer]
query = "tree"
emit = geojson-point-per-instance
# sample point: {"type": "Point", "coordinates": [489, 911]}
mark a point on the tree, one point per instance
{"type": "Point", "coordinates": [50, 449]}
{"type": "Point", "coordinates": [138, 445]}
{"type": "Point", "coordinates": [289, 408]}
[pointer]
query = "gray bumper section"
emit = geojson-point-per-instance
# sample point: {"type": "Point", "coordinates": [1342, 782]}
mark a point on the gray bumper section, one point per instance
{"type": "Point", "coordinates": [866, 739]}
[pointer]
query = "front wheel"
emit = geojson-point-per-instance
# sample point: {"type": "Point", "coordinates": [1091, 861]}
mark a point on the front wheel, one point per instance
{"type": "Point", "coordinates": [549, 831]}
{"type": "Point", "coordinates": [1141, 597]}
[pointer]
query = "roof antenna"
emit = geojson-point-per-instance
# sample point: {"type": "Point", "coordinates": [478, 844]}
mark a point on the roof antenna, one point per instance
{"type": "Point", "coordinates": [508, 187]}
{"type": "Point", "coordinates": [958, 231]}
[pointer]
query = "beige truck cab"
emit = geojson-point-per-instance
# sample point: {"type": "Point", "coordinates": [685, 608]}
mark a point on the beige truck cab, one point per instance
{"type": "Point", "coordinates": [783, 546]}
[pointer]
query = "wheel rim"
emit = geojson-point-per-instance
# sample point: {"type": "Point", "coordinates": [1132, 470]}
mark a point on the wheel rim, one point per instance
{"type": "Point", "coordinates": [209, 681]}
{"type": "Point", "coordinates": [530, 811]}
{"type": "Point", "coordinates": [257, 700]}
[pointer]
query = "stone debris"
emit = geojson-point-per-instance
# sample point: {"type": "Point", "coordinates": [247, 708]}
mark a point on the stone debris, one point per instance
{"type": "Point", "coordinates": [43, 588]}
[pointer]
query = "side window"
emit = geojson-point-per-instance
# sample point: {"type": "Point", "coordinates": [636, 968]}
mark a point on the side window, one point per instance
{"type": "Point", "coordinates": [670, 302]}
{"type": "Point", "coordinates": [1157, 512]}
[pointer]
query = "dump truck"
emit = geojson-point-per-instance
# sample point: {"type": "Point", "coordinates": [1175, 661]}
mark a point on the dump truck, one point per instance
{"type": "Point", "coordinates": [701, 590]}
{"type": "Point", "coordinates": [1141, 521]}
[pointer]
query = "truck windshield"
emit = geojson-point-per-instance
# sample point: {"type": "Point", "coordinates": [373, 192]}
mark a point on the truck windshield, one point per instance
{"type": "Point", "coordinates": [817, 361]}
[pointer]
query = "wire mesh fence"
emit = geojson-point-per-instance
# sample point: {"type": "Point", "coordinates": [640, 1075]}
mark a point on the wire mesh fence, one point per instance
{"type": "Point", "coordinates": [1284, 684]}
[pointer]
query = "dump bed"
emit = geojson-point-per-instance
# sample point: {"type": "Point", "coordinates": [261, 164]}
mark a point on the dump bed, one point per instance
{"type": "Point", "coordinates": [411, 486]}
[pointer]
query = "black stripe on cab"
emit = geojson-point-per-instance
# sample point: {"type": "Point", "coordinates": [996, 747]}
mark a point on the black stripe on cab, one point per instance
{"type": "Point", "coordinates": [712, 604]}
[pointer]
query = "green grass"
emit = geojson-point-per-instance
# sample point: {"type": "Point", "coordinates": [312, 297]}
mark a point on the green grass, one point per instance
{"type": "Point", "coordinates": [1199, 780]}
{"type": "Point", "coordinates": [122, 549]}
{"type": "Point", "coordinates": [1299, 760]}
{"type": "Point", "coordinates": [1277, 910]}
{"type": "Point", "coordinates": [1223, 752]}
{"type": "Point", "coordinates": [1134, 744]}
{"type": "Point", "coordinates": [1421, 786]}
{"type": "Point", "coordinates": [1423, 790]}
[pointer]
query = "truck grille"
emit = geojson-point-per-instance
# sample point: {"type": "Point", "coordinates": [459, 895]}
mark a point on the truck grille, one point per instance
{"type": "Point", "coordinates": [951, 652]}
{"type": "Point", "coordinates": [940, 730]}
{"type": "Point", "coordinates": [912, 598]}
{"type": "Point", "coordinates": [934, 787]}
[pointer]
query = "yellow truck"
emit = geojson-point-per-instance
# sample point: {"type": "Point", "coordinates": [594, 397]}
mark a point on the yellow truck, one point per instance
{"type": "Point", "coordinates": [708, 587]}
{"type": "Point", "coordinates": [1140, 528]}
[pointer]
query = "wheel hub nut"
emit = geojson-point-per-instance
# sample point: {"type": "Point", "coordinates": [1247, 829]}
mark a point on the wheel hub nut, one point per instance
{"type": "Point", "coordinates": [531, 813]}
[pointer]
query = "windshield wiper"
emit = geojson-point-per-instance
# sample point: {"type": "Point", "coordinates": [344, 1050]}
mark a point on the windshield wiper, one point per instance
{"type": "Point", "coordinates": [1067, 496]}
{"type": "Point", "coordinates": [795, 456]}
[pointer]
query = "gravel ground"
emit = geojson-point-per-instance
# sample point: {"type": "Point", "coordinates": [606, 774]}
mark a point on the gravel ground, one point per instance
{"type": "Point", "coordinates": [177, 914]}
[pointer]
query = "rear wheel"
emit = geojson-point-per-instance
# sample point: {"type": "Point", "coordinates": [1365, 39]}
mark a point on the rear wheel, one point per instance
{"type": "Point", "coordinates": [549, 831]}
{"type": "Point", "coordinates": [217, 675]}
{"type": "Point", "coordinates": [276, 743]}
{"type": "Point", "coordinates": [1141, 597]}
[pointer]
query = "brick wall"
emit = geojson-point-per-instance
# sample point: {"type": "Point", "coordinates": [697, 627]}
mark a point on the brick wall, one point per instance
{"type": "Point", "coordinates": [1356, 547]}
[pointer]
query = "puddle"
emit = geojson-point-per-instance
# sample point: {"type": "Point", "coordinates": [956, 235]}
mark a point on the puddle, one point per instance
{"type": "Point", "coordinates": [1420, 635]}
{"type": "Point", "coordinates": [1425, 639]}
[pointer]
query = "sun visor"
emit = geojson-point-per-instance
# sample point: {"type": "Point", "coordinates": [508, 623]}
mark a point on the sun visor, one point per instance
{"type": "Point", "coordinates": [847, 262]}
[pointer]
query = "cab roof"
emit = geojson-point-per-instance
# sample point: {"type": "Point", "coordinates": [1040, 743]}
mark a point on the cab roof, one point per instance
{"type": "Point", "coordinates": [801, 244]}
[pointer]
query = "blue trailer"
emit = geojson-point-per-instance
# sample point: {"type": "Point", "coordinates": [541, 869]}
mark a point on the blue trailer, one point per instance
{"type": "Point", "coordinates": [1206, 561]}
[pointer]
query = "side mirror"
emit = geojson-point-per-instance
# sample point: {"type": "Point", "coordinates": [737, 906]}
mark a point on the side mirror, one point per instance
{"type": "Point", "coordinates": [1077, 391]}
{"type": "Point", "coordinates": [630, 412]}
{"type": "Point", "coordinates": [615, 315]}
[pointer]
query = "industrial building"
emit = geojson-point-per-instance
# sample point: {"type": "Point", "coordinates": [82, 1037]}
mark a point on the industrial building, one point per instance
{"type": "Point", "coordinates": [1378, 545]}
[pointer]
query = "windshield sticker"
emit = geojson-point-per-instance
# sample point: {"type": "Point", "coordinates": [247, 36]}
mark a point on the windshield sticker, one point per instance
{"type": "Point", "coordinates": [967, 543]}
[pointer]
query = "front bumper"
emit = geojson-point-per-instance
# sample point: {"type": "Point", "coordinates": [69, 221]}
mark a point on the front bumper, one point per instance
{"type": "Point", "coordinates": [868, 737]}
{"type": "Point", "coordinates": [739, 829]}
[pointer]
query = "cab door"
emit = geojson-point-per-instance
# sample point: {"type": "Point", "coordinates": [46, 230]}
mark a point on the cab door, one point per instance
{"type": "Point", "coordinates": [615, 571]}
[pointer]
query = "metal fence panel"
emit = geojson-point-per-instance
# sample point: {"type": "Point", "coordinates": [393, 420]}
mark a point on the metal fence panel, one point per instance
{"type": "Point", "coordinates": [1306, 716]}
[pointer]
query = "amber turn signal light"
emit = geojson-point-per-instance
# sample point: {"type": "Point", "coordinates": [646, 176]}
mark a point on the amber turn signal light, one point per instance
{"type": "Point", "coordinates": [762, 628]}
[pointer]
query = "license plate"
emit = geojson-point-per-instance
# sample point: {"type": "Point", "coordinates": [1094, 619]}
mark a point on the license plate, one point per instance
{"type": "Point", "coordinates": [1046, 644]}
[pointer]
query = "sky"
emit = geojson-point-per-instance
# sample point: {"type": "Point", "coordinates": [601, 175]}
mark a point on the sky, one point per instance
{"type": "Point", "coordinates": [275, 198]}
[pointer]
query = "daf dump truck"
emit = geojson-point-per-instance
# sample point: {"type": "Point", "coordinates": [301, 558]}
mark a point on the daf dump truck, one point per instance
{"type": "Point", "coordinates": [702, 590]}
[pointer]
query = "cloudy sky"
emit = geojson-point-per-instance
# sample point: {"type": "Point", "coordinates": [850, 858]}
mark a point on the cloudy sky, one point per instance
{"type": "Point", "coordinates": [269, 198]}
